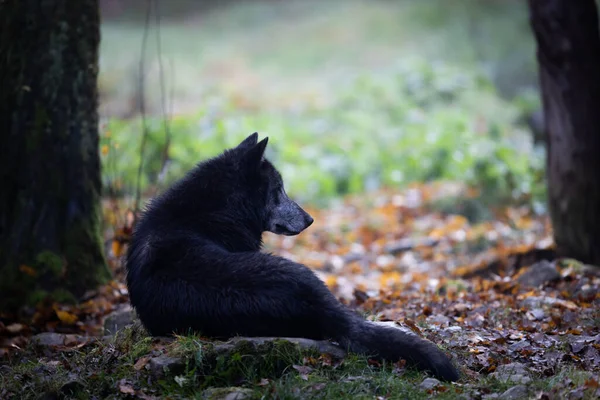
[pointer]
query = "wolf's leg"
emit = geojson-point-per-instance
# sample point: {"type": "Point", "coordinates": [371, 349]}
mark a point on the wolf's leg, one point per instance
{"type": "Point", "coordinates": [225, 294]}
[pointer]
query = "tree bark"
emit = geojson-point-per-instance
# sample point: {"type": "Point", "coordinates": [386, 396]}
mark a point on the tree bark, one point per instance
{"type": "Point", "coordinates": [49, 163]}
{"type": "Point", "coordinates": [568, 51]}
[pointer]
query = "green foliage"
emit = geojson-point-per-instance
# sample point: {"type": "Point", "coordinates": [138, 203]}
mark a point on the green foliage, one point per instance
{"type": "Point", "coordinates": [47, 261]}
{"type": "Point", "coordinates": [418, 121]}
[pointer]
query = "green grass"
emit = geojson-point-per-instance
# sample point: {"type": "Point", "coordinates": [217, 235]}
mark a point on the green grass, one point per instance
{"type": "Point", "coordinates": [385, 131]}
{"type": "Point", "coordinates": [354, 95]}
{"type": "Point", "coordinates": [272, 370]}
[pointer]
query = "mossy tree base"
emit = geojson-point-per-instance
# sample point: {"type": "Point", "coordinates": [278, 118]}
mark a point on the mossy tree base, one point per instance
{"type": "Point", "coordinates": [49, 203]}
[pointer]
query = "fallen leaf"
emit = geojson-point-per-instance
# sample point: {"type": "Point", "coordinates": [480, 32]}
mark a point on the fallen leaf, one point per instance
{"type": "Point", "coordinates": [126, 387]}
{"type": "Point", "coordinates": [141, 363]}
{"type": "Point", "coordinates": [15, 328]}
{"type": "Point", "coordinates": [27, 270]}
{"type": "Point", "coordinates": [304, 370]}
{"type": "Point", "coordinates": [66, 317]}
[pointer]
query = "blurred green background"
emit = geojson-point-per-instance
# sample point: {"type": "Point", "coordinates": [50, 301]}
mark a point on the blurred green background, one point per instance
{"type": "Point", "coordinates": [355, 95]}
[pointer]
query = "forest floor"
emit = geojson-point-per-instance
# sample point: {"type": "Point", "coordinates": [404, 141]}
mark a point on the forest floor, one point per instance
{"type": "Point", "coordinates": [483, 285]}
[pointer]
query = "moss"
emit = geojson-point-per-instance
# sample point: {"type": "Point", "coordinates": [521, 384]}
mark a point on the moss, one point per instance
{"type": "Point", "coordinates": [83, 250]}
{"type": "Point", "coordinates": [244, 362]}
{"type": "Point", "coordinates": [63, 296]}
{"type": "Point", "coordinates": [36, 296]}
{"type": "Point", "coordinates": [48, 261]}
{"type": "Point", "coordinates": [141, 347]}
{"type": "Point", "coordinates": [125, 338]}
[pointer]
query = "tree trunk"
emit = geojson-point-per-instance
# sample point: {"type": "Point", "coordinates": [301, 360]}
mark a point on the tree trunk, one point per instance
{"type": "Point", "coordinates": [49, 163]}
{"type": "Point", "coordinates": [568, 53]}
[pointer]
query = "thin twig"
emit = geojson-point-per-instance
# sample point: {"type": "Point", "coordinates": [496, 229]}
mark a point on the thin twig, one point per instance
{"type": "Point", "coordinates": [165, 157]}
{"type": "Point", "coordinates": [138, 190]}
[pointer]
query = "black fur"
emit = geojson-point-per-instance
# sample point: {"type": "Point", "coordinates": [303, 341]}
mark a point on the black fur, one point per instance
{"type": "Point", "coordinates": [195, 264]}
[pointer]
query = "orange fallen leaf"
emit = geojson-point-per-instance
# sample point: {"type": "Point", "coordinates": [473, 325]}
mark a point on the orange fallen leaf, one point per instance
{"type": "Point", "coordinates": [331, 281]}
{"type": "Point", "coordinates": [411, 324]}
{"type": "Point", "coordinates": [574, 331]}
{"type": "Point", "coordinates": [66, 317]}
{"type": "Point", "coordinates": [117, 248]}
{"type": "Point", "coordinates": [26, 269]}
{"type": "Point", "coordinates": [592, 383]}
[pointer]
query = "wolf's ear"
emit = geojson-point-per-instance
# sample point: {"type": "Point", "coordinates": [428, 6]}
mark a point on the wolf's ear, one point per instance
{"type": "Point", "coordinates": [253, 156]}
{"type": "Point", "coordinates": [248, 142]}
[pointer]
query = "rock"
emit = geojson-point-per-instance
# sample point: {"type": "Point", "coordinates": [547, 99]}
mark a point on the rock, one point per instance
{"type": "Point", "coordinates": [118, 320]}
{"type": "Point", "coordinates": [539, 274]}
{"type": "Point", "coordinates": [230, 393]}
{"type": "Point", "coordinates": [439, 319]}
{"type": "Point", "coordinates": [334, 264]}
{"type": "Point", "coordinates": [453, 329]}
{"type": "Point", "coordinates": [536, 314]}
{"type": "Point", "coordinates": [163, 365]}
{"type": "Point", "coordinates": [407, 244]}
{"type": "Point", "coordinates": [490, 396]}
{"type": "Point", "coordinates": [429, 383]}
{"type": "Point", "coordinates": [53, 339]}
{"type": "Point", "coordinates": [515, 393]}
{"type": "Point", "coordinates": [539, 301]}
{"type": "Point", "coordinates": [322, 346]}
{"type": "Point", "coordinates": [48, 339]}
{"type": "Point", "coordinates": [514, 372]}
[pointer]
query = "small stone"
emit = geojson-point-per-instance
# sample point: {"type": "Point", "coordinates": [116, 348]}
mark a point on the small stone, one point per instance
{"type": "Point", "coordinates": [429, 383]}
{"type": "Point", "coordinates": [228, 393]}
{"type": "Point", "coordinates": [164, 365]}
{"type": "Point", "coordinates": [515, 393]}
{"type": "Point", "coordinates": [407, 244]}
{"type": "Point", "coordinates": [52, 339]}
{"type": "Point", "coordinates": [514, 372]}
{"type": "Point", "coordinates": [334, 264]}
{"type": "Point", "coordinates": [453, 329]}
{"type": "Point", "coordinates": [438, 319]}
{"type": "Point", "coordinates": [399, 246]}
{"type": "Point", "coordinates": [118, 320]}
{"type": "Point", "coordinates": [323, 346]}
{"type": "Point", "coordinates": [536, 314]}
{"type": "Point", "coordinates": [539, 274]}
{"type": "Point", "coordinates": [490, 396]}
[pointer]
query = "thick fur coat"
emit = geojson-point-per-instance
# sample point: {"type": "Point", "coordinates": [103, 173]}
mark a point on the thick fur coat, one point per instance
{"type": "Point", "coordinates": [195, 263]}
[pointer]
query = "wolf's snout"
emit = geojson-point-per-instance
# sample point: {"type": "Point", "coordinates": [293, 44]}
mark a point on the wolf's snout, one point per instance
{"type": "Point", "coordinates": [289, 219]}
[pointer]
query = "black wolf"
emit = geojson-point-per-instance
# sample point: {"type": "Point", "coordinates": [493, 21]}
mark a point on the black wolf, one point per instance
{"type": "Point", "coordinates": [194, 263]}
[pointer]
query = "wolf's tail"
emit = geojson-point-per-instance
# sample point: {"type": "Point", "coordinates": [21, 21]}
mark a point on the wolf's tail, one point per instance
{"type": "Point", "coordinates": [392, 344]}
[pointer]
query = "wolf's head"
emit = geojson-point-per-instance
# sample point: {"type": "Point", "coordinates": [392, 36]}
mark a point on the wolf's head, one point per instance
{"type": "Point", "coordinates": [258, 189]}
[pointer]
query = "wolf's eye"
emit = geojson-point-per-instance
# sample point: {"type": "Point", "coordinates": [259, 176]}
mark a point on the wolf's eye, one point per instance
{"type": "Point", "coordinates": [275, 196]}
